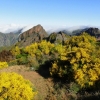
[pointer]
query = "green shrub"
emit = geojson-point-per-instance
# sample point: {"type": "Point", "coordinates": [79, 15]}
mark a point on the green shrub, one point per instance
{"type": "Point", "coordinates": [33, 63]}
{"type": "Point", "coordinates": [13, 62]}
{"type": "Point", "coordinates": [22, 60]}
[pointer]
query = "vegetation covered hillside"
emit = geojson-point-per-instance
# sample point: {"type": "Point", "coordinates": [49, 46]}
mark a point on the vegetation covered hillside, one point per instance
{"type": "Point", "coordinates": [74, 66]}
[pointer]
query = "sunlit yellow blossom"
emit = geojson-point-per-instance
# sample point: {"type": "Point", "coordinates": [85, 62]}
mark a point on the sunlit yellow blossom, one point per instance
{"type": "Point", "coordinates": [15, 87]}
{"type": "Point", "coordinates": [3, 65]}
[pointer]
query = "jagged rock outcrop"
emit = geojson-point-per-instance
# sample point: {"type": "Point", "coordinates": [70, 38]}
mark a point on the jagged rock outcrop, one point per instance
{"type": "Point", "coordinates": [59, 37]}
{"type": "Point", "coordinates": [91, 31]}
{"type": "Point", "coordinates": [35, 34]}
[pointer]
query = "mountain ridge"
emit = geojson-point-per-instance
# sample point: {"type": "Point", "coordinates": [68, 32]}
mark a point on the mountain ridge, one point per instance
{"type": "Point", "coordinates": [35, 34]}
{"type": "Point", "coordinates": [38, 33]}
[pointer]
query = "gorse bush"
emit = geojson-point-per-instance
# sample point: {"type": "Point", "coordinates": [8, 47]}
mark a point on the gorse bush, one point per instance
{"type": "Point", "coordinates": [37, 54]}
{"type": "Point", "coordinates": [38, 49]}
{"type": "Point", "coordinates": [15, 51]}
{"type": "Point", "coordinates": [80, 62]}
{"type": "Point", "coordinates": [15, 87]}
{"type": "Point", "coordinates": [3, 65]}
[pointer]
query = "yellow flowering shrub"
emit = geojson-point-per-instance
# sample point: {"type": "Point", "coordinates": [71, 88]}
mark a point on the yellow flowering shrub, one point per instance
{"type": "Point", "coordinates": [15, 87]}
{"type": "Point", "coordinates": [39, 49]}
{"type": "Point", "coordinates": [83, 41]}
{"type": "Point", "coordinates": [58, 69]}
{"type": "Point", "coordinates": [44, 51]}
{"type": "Point", "coordinates": [15, 51]}
{"type": "Point", "coordinates": [59, 49]}
{"type": "Point", "coordinates": [79, 61]}
{"type": "Point", "coordinates": [44, 48]}
{"type": "Point", "coordinates": [37, 54]}
{"type": "Point", "coordinates": [87, 75]}
{"type": "Point", "coordinates": [3, 65]}
{"type": "Point", "coordinates": [85, 69]}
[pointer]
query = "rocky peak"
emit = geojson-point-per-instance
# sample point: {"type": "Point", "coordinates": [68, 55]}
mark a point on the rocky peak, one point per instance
{"type": "Point", "coordinates": [59, 37]}
{"type": "Point", "coordinates": [91, 31]}
{"type": "Point", "coordinates": [35, 29]}
{"type": "Point", "coordinates": [35, 34]}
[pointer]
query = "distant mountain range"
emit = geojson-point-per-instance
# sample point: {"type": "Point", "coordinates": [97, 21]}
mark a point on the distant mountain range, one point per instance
{"type": "Point", "coordinates": [8, 39]}
{"type": "Point", "coordinates": [25, 36]}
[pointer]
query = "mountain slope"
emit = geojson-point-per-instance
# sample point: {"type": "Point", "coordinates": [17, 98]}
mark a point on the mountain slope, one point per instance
{"type": "Point", "coordinates": [8, 39]}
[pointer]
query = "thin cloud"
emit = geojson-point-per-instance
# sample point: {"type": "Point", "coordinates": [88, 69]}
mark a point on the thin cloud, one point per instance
{"type": "Point", "coordinates": [26, 28]}
{"type": "Point", "coordinates": [10, 28]}
{"type": "Point", "coordinates": [49, 29]}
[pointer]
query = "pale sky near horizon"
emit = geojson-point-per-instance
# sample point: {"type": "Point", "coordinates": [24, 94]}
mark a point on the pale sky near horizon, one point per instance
{"type": "Point", "coordinates": [50, 12]}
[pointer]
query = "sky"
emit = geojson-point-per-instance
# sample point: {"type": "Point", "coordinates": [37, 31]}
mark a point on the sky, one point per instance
{"type": "Point", "coordinates": [55, 13]}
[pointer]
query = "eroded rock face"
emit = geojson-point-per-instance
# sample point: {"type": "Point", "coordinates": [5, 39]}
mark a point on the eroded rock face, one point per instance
{"type": "Point", "coordinates": [91, 31]}
{"type": "Point", "coordinates": [59, 37]}
{"type": "Point", "coordinates": [35, 34]}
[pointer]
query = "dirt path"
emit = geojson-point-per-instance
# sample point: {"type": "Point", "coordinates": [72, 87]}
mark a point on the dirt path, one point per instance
{"type": "Point", "coordinates": [42, 85]}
